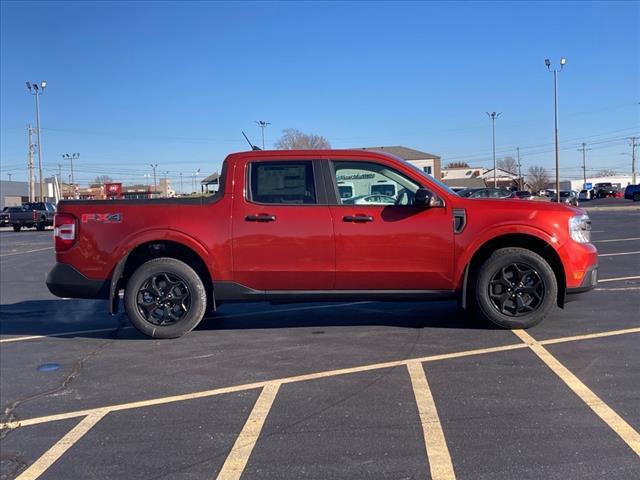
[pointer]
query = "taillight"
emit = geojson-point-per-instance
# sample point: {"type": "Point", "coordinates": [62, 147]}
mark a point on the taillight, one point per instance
{"type": "Point", "coordinates": [34, 215]}
{"type": "Point", "coordinates": [64, 232]}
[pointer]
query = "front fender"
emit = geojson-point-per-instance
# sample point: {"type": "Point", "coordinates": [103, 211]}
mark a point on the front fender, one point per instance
{"type": "Point", "coordinates": [468, 244]}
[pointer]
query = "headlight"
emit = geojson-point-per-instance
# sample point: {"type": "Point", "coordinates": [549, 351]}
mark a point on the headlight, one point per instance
{"type": "Point", "coordinates": [580, 228]}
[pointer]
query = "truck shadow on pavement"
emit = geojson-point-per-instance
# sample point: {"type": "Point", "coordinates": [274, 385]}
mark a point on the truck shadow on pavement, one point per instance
{"type": "Point", "coordinates": [90, 319]}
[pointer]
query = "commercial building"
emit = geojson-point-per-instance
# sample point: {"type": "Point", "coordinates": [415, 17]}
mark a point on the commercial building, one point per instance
{"type": "Point", "coordinates": [427, 162]}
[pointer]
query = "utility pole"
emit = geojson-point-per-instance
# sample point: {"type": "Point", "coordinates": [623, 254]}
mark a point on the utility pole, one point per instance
{"type": "Point", "coordinates": [36, 92]}
{"type": "Point", "coordinates": [181, 190]}
{"type": "Point", "coordinates": [633, 159]}
{"type": "Point", "coordinates": [155, 188]}
{"type": "Point", "coordinates": [60, 171]}
{"type": "Point", "coordinates": [584, 149]}
{"type": "Point", "coordinates": [493, 116]}
{"type": "Point", "coordinates": [519, 169]}
{"type": "Point", "coordinates": [32, 180]}
{"type": "Point", "coordinates": [547, 62]}
{"type": "Point", "coordinates": [262, 124]}
{"type": "Point", "coordinates": [71, 157]}
{"type": "Point", "coordinates": [9, 175]}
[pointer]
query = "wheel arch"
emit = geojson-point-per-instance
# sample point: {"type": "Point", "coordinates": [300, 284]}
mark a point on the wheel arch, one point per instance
{"type": "Point", "coordinates": [151, 249]}
{"type": "Point", "coordinates": [522, 240]}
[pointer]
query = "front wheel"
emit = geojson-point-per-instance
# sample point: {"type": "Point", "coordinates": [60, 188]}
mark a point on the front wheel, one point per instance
{"type": "Point", "coordinates": [636, 197]}
{"type": "Point", "coordinates": [17, 228]}
{"type": "Point", "coordinates": [515, 288]}
{"type": "Point", "coordinates": [165, 298]}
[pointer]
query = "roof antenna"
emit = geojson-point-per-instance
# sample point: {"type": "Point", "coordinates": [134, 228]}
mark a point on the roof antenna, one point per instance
{"type": "Point", "coordinates": [253, 147]}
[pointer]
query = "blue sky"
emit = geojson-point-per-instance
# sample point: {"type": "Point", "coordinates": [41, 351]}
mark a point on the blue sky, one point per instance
{"type": "Point", "coordinates": [135, 83]}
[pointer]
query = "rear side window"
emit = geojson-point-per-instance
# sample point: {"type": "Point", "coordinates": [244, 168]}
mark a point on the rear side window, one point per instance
{"type": "Point", "coordinates": [288, 183]}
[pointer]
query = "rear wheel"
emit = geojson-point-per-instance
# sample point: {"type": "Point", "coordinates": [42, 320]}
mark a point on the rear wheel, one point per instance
{"type": "Point", "coordinates": [40, 226]}
{"type": "Point", "coordinates": [17, 228]}
{"type": "Point", "coordinates": [636, 197]}
{"type": "Point", "coordinates": [165, 298]}
{"type": "Point", "coordinates": [515, 288]}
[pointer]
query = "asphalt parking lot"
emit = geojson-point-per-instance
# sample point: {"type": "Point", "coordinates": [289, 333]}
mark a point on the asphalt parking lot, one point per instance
{"type": "Point", "coordinates": [347, 390]}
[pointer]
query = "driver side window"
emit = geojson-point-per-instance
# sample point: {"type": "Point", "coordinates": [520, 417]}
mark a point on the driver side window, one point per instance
{"type": "Point", "coordinates": [364, 183]}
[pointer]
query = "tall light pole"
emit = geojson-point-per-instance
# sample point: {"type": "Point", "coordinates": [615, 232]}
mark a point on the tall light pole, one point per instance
{"type": "Point", "coordinates": [633, 158]}
{"type": "Point", "coordinates": [555, 71]}
{"type": "Point", "coordinates": [181, 190]}
{"type": "Point", "coordinates": [584, 151]}
{"type": "Point", "coordinates": [195, 183]}
{"type": "Point", "coordinates": [262, 124]}
{"type": "Point", "coordinates": [154, 166]}
{"type": "Point", "coordinates": [37, 90]}
{"type": "Point", "coordinates": [493, 116]}
{"type": "Point", "coordinates": [520, 186]}
{"type": "Point", "coordinates": [71, 157]}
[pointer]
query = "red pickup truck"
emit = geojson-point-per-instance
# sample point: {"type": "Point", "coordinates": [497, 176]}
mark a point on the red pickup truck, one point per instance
{"type": "Point", "coordinates": [280, 229]}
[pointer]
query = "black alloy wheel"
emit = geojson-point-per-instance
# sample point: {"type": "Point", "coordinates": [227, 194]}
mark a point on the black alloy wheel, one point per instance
{"type": "Point", "coordinates": [163, 299]}
{"type": "Point", "coordinates": [516, 290]}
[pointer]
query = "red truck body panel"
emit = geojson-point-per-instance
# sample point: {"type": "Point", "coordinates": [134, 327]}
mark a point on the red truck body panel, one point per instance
{"type": "Point", "coordinates": [310, 247]}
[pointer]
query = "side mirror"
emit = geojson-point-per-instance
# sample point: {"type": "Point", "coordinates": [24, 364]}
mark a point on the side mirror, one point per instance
{"type": "Point", "coordinates": [423, 198]}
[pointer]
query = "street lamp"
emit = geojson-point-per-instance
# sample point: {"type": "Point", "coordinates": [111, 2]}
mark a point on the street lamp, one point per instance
{"type": "Point", "coordinates": [262, 124]}
{"type": "Point", "coordinates": [493, 116]}
{"type": "Point", "coordinates": [154, 166]}
{"type": "Point", "coordinates": [555, 71]}
{"type": "Point", "coordinates": [36, 90]}
{"type": "Point", "coordinates": [71, 157]}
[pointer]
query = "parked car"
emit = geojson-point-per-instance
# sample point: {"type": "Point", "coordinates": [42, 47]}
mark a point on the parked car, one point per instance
{"type": "Point", "coordinates": [4, 216]}
{"type": "Point", "coordinates": [32, 214]}
{"type": "Point", "coordinates": [605, 190]}
{"type": "Point", "coordinates": [277, 230]}
{"type": "Point", "coordinates": [632, 192]}
{"type": "Point", "coordinates": [585, 195]}
{"type": "Point", "coordinates": [567, 196]}
{"type": "Point", "coordinates": [486, 193]}
{"type": "Point", "coordinates": [523, 195]}
{"type": "Point", "coordinates": [370, 200]}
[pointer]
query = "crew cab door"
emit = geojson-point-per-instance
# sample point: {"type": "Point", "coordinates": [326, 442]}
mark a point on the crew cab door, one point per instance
{"type": "Point", "coordinates": [282, 227]}
{"type": "Point", "coordinates": [384, 242]}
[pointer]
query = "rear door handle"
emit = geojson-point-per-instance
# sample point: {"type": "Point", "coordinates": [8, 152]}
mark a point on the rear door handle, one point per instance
{"type": "Point", "coordinates": [263, 217]}
{"type": "Point", "coordinates": [358, 218]}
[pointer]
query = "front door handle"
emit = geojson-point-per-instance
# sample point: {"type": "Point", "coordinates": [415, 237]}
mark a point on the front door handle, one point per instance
{"type": "Point", "coordinates": [357, 218]}
{"type": "Point", "coordinates": [263, 217]}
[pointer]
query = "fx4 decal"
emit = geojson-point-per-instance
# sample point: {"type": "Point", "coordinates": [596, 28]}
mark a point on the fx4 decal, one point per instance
{"type": "Point", "coordinates": [102, 217]}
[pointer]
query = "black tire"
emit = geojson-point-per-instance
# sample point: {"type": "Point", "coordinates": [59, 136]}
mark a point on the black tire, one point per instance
{"type": "Point", "coordinates": [40, 227]}
{"type": "Point", "coordinates": [17, 228]}
{"type": "Point", "coordinates": [636, 197]}
{"type": "Point", "coordinates": [147, 289]}
{"type": "Point", "coordinates": [515, 288]}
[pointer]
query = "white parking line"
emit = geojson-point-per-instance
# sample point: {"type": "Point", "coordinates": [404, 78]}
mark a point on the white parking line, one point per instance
{"type": "Point", "coordinates": [28, 251]}
{"type": "Point", "coordinates": [241, 451]}
{"type": "Point", "coordinates": [625, 431]}
{"type": "Point", "coordinates": [440, 463]}
{"type": "Point", "coordinates": [603, 280]}
{"type": "Point", "coordinates": [617, 254]}
{"type": "Point", "coordinates": [61, 334]}
{"type": "Point", "coordinates": [38, 467]}
{"type": "Point", "coordinates": [616, 240]}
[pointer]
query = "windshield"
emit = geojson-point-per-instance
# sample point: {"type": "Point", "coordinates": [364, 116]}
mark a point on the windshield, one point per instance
{"type": "Point", "coordinates": [440, 183]}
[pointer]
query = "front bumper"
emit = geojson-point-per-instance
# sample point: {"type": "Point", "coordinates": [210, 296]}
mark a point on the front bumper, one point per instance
{"type": "Point", "coordinates": [589, 282]}
{"type": "Point", "coordinates": [65, 281]}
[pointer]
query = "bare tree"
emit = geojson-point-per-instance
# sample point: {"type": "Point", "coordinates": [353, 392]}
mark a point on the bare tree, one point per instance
{"type": "Point", "coordinates": [293, 139]}
{"type": "Point", "coordinates": [457, 165]}
{"type": "Point", "coordinates": [606, 172]}
{"type": "Point", "coordinates": [538, 178]}
{"type": "Point", "coordinates": [508, 164]}
{"type": "Point", "coordinates": [102, 179]}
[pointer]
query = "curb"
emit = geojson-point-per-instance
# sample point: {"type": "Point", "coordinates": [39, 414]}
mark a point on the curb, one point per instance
{"type": "Point", "coordinates": [625, 208]}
